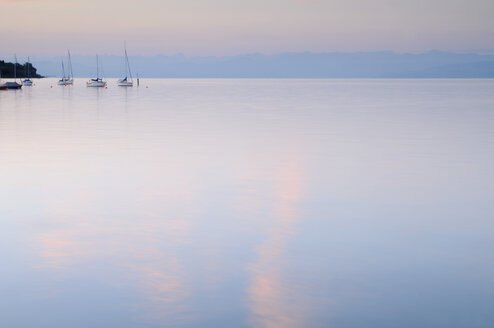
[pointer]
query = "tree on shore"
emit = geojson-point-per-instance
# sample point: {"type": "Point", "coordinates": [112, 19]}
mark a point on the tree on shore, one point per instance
{"type": "Point", "coordinates": [7, 70]}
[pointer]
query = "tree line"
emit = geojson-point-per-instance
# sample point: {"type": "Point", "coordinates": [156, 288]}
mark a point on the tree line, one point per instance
{"type": "Point", "coordinates": [22, 70]}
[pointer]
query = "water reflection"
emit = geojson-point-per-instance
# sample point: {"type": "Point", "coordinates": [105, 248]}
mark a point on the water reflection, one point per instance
{"type": "Point", "coordinates": [136, 244]}
{"type": "Point", "coordinates": [247, 203]}
{"type": "Point", "coordinates": [58, 250]}
{"type": "Point", "coordinates": [141, 256]}
{"type": "Point", "coordinates": [271, 297]}
{"type": "Point", "coordinates": [154, 265]}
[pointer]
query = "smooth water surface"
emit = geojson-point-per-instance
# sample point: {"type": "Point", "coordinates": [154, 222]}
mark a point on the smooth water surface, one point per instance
{"type": "Point", "coordinates": [248, 203]}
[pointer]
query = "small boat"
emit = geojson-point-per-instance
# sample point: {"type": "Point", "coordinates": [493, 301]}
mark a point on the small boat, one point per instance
{"type": "Point", "coordinates": [64, 80]}
{"type": "Point", "coordinates": [125, 82]}
{"type": "Point", "coordinates": [27, 82]}
{"type": "Point", "coordinates": [13, 85]}
{"type": "Point", "coordinates": [97, 82]}
{"type": "Point", "coordinates": [3, 86]}
{"type": "Point", "coordinates": [69, 79]}
{"type": "Point", "coordinates": [70, 73]}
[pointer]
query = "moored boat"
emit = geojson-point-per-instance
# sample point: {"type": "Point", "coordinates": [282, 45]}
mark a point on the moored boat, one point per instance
{"type": "Point", "coordinates": [126, 82]}
{"type": "Point", "coordinates": [97, 82]}
{"type": "Point", "coordinates": [64, 80]}
{"type": "Point", "coordinates": [69, 79]}
{"type": "Point", "coordinates": [27, 81]}
{"type": "Point", "coordinates": [12, 85]}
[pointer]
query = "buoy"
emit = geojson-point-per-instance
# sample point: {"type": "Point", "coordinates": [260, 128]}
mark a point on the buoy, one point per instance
{"type": "Point", "coordinates": [51, 86]}
{"type": "Point", "coordinates": [147, 87]}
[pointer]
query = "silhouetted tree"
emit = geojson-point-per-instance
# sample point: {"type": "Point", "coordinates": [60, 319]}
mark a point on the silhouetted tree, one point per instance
{"type": "Point", "coordinates": [7, 70]}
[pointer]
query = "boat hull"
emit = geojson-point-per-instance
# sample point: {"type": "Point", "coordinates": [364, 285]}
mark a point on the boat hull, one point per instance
{"type": "Point", "coordinates": [125, 84]}
{"type": "Point", "coordinates": [65, 82]}
{"type": "Point", "coordinates": [96, 84]}
{"type": "Point", "coordinates": [27, 83]}
{"type": "Point", "coordinates": [13, 85]}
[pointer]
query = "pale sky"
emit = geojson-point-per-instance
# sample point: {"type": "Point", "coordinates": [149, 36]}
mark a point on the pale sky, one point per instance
{"type": "Point", "coordinates": [228, 27]}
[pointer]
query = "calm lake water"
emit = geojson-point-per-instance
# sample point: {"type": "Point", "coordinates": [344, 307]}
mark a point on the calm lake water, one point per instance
{"type": "Point", "coordinates": [248, 203]}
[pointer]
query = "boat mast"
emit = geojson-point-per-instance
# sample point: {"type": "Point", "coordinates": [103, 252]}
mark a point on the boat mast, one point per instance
{"type": "Point", "coordinates": [70, 66]}
{"type": "Point", "coordinates": [63, 71]}
{"type": "Point", "coordinates": [15, 67]}
{"type": "Point", "coordinates": [125, 60]}
{"type": "Point", "coordinates": [28, 69]}
{"type": "Point", "coordinates": [97, 67]}
{"type": "Point", "coordinates": [128, 65]}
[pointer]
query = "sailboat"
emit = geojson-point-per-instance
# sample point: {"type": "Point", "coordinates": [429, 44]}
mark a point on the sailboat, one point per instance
{"type": "Point", "coordinates": [70, 73]}
{"type": "Point", "coordinates": [14, 85]}
{"type": "Point", "coordinates": [63, 80]}
{"type": "Point", "coordinates": [69, 79]}
{"type": "Point", "coordinates": [125, 82]}
{"type": "Point", "coordinates": [27, 82]}
{"type": "Point", "coordinates": [97, 82]}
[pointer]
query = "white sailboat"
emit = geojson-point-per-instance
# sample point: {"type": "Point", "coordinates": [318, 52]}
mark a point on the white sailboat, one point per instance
{"type": "Point", "coordinates": [97, 82]}
{"type": "Point", "coordinates": [69, 79]}
{"type": "Point", "coordinates": [64, 79]}
{"type": "Point", "coordinates": [27, 82]}
{"type": "Point", "coordinates": [70, 73]}
{"type": "Point", "coordinates": [126, 82]}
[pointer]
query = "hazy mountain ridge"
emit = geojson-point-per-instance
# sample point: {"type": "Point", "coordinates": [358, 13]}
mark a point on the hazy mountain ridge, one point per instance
{"type": "Point", "coordinates": [386, 64]}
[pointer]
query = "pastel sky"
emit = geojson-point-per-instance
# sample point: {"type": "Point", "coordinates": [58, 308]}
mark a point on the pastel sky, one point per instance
{"type": "Point", "coordinates": [227, 27]}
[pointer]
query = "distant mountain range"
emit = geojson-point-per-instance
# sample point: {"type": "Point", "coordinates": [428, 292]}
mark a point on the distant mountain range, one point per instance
{"type": "Point", "coordinates": [387, 64]}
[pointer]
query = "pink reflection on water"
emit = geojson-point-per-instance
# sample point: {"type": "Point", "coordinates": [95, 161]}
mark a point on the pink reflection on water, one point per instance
{"type": "Point", "coordinates": [133, 251]}
{"type": "Point", "coordinates": [57, 249]}
{"type": "Point", "coordinates": [270, 300]}
{"type": "Point", "coordinates": [157, 271]}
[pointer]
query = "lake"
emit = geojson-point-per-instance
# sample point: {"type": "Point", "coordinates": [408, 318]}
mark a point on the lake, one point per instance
{"type": "Point", "coordinates": [248, 203]}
